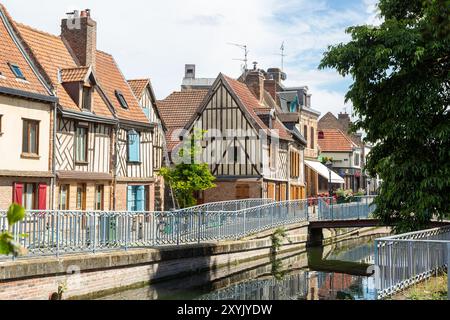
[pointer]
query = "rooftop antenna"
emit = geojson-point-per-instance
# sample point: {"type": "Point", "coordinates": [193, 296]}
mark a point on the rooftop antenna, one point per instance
{"type": "Point", "coordinates": [282, 56]}
{"type": "Point", "coordinates": [246, 52]}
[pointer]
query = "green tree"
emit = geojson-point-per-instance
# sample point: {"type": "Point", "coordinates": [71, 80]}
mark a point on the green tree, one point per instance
{"type": "Point", "coordinates": [400, 92]}
{"type": "Point", "coordinates": [189, 176]}
{"type": "Point", "coordinates": [8, 246]}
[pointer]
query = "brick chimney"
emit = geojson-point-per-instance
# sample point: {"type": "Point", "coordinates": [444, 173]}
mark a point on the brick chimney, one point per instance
{"type": "Point", "coordinates": [344, 120]}
{"type": "Point", "coordinates": [80, 33]}
{"type": "Point", "coordinates": [255, 82]}
{"type": "Point", "coordinates": [271, 87]}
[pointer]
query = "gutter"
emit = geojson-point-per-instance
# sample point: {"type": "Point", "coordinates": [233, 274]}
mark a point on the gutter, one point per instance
{"type": "Point", "coordinates": [86, 117]}
{"type": "Point", "coordinates": [28, 95]}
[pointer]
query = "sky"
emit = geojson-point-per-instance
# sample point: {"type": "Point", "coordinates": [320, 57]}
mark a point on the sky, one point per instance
{"type": "Point", "coordinates": [155, 39]}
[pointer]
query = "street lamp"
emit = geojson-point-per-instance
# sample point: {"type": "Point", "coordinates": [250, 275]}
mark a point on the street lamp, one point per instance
{"type": "Point", "coordinates": [329, 165]}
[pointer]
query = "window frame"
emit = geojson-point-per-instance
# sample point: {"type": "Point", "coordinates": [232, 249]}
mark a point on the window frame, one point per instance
{"type": "Point", "coordinates": [66, 187]}
{"type": "Point", "coordinates": [101, 188]}
{"type": "Point", "coordinates": [26, 123]}
{"type": "Point", "coordinates": [83, 188]}
{"type": "Point", "coordinates": [122, 101]}
{"type": "Point", "coordinates": [16, 70]}
{"type": "Point", "coordinates": [313, 138]}
{"type": "Point", "coordinates": [88, 99]}
{"type": "Point", "coordinates": [35, 195]}
{"type": "Point", "coordinates": [86, 153]}
{"type": "Point", "coordinates": [139, 139]}
{"type": "Point", "coordinates": [306, 134]}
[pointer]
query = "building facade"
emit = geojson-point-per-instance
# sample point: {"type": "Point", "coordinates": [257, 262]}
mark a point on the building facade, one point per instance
{"type": "Point", "coordinates": [26, 123]}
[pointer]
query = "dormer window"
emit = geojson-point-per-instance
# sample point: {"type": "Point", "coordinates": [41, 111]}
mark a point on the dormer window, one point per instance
{"type": "Point", "coordinates": [321, 135]}
{"type": "Point", "coordinates": [86, 101]}
{"type": "Point", "coordinates": [121, 98]}
{"type": "Point", "coordinates": [17, 71]}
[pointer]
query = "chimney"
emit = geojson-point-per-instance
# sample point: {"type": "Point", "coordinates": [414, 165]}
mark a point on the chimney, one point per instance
{"type": "Point", "coordinates": [255, 82]}
{"type": "Point", "coordinates": [344, 120]}
{"type": "Point", "coordinates": [189, 71]}
{"type": "Point", "coordinates": [277, 75]}
{"type": "Point", "coordinates": [271, 87]}
{"type": "Point", "coordinates": [80, 33]}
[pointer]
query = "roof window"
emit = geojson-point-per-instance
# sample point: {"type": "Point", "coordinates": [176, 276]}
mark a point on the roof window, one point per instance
{"type": "Point", "coordinates": [121, 99]}
{"type": "Point", "coordinates": [17, 71]}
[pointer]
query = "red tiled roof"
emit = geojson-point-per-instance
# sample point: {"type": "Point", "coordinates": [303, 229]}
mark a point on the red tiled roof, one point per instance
{"type": "Point", "coordinates": [74, 74]}
{"type": "Point", "coordinates": [10, 53]}
{"type": "Point", "coordinates": [334, 140]}
{"type": "Point", "coordinates": [111, 79]}
{"type": "Point", "coordinates": [51, 54]}
{"type": "Point", "coordinates": [138, 86]}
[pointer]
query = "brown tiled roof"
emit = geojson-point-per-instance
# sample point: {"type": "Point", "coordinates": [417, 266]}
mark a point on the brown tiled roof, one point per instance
{"type": "Point", "coordinates": [74, 74]}
{"type": "Point", "coordinates": [255, 108]}
{"type": "Point", "coordinates": [10, 53]}
{"type": "Point", "coordinates": [178, 108]}
{"type": "Point", "coordinates": [112, 79]}
{"type": "Point", "coordinates": [176, 111]}
{"type": "Point", "coordinates": [334, 140]}
{"type": "Point", "coordinates": [138, 86]}
{"type": "Point", "coordinates": [51, 54]}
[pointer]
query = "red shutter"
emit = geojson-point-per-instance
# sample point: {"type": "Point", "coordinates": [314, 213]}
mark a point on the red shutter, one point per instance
{"type": "Point", "coordinates": [42, 197]}
{"type": "Point", "coordinates": [17, 193]}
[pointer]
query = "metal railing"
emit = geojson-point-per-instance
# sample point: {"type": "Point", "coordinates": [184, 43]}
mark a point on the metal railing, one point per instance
{"type": "Point", "coordinates": [359, 208]}
{"type": "Point", "coordinates": [232, 205]}
{"type": "Point", "coordinates": [62, 232]}
{"type": "Point", "coordinates": [405, 260]}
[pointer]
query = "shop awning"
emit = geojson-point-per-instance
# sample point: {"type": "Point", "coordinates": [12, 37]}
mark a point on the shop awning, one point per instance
{"type": "Point", "coordinates": [324, 172]}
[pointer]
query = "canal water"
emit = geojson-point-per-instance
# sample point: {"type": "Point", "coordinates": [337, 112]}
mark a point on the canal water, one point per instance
{"type": "Point", "coordinates": [336, 272]}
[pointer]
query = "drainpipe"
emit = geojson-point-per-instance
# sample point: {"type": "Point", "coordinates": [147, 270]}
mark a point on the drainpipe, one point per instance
{"type": "Point", "coordinates": [53, 180]}
{"type": "Point", "coordinates": [115, 164]}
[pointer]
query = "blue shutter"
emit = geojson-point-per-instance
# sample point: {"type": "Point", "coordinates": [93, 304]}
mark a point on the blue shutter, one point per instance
{"type": "Point", "coordinates": [130, 199]}
{"type": "Point", "coordinates": [140, 198]}
{"type": "Point", "coordinates": [134, 149]}
{"type": "Point", "coordinates": [147, 112]}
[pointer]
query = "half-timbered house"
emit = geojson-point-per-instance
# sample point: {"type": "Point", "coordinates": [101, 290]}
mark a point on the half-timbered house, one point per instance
{"type": "Point", "coordinates": [26, 120]}
{"type": "Point", "coordinates": [143, 91]}
{"type": "Point", "coordinates": [246, 145]}
{"type": "Point", "coordinates": [104, 139]}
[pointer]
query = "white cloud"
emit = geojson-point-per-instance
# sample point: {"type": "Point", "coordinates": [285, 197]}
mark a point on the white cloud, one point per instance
{"type": "Point", "coordinates": [156, 38]}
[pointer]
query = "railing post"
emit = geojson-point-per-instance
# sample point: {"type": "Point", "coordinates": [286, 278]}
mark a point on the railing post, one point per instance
{"type": "Point", "coordinates": [307, 210]}
{"type": "Point", "coordinates": [57, 234]}
{"type": "Point", "coordinates": [245, 223]}
{"type": "Point", "coordinates": [95, 232]}
{"type": "Point", "coordinates": [178, 224]}
{"type": "Point", "coordinates": [199, 226]}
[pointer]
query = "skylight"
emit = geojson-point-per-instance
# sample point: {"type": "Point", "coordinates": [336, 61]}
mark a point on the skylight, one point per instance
{"type": "Point", "coordinates": [17, 71]}
{"type": "Point", "coordinates": [121, 99]}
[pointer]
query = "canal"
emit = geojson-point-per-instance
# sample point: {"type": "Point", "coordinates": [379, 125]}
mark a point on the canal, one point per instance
{"type": "Point", "coordinates": [336, 272]}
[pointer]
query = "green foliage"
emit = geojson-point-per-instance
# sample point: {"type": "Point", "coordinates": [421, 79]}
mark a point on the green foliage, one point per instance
{"type": "Point", "coordinates": [277, 239]}
{"type": "Point", "coordinates": [400, 91]}
{"type": "Point", "coordinates": [189, 177]}
{"type": "Point", "coordinates": [8, 246]}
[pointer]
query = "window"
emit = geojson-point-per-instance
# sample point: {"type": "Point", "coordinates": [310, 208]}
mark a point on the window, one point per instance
{"type": "Point", "coordinates": [64, 197]}
{"type": "Point", "coordinates": [305, 132]}
{"type": "Point", "coordinates": [87, 98]}
{"type": "Point", "coordinates": [81, 197]}
{"type": "Point", "coordinates": [29, 196]}
{"type": "Point", "coordinates": [99, 197]}
{"type": "Point", "coordinates": [357, 158]}
{"type": "Point", "coordinates": [134, 145]}
{"type": "Point", "coordinates": [321, 135]}
{"type": "Point", "coordinates": [121, 98]}
{"type": "Point", "coordinates": [30, 140]}
{"type": "Point", "coordinates": [272, 155]}
{"type": "Point", "coordinates": [295, 165]}
{"type": "Point", "coordinates": [313, 135]}
{"type": "Point", "coordinates": [81, 138]}
{"type": "Point", "coordinates": [136, 198]}
{"type": "Point", "coordinates": [17, 71]}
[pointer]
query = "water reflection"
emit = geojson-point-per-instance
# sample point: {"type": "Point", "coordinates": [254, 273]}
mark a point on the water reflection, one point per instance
{"type": "Point", "coordinates": [315, 275]}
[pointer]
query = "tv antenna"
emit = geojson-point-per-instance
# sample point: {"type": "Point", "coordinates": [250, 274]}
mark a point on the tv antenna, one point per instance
{"type": "Point", "coordinates": [246, 52]}
{"type": "Point", "coordinates": [283, 55]}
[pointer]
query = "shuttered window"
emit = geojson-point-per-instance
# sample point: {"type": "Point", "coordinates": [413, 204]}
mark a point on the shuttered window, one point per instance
{"type": "Point", "coordinates": [134, 145]}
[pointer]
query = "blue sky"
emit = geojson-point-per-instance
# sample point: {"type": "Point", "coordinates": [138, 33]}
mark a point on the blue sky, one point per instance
{"type": "Point", "coordinates": [156, 38]}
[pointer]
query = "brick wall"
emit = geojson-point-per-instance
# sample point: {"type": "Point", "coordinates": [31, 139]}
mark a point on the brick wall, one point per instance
{"type": "Point", "coordinates": [226, 191]}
